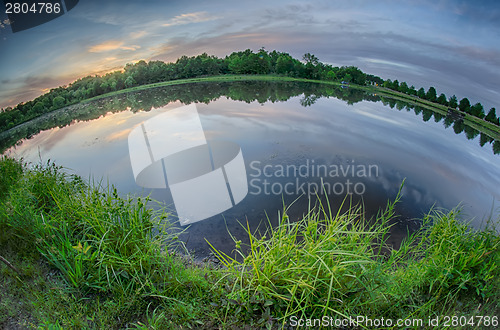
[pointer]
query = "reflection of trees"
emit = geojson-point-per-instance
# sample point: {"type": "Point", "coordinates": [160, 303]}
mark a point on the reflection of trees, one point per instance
{"type": "Point", "coordinates": [470, 132]}
{"type": "Point", "coordinates": [400, 105]}
{"type": "Point", "coordinates": [483, 139]}
{"type": "Point", "coordinates": [496, 147]}
{"type": "Point", "coordinates": [452, 117]}
{"type": "Point", "coordinates": [438, 117]}
{"type": "Point", "coordinates": [427, 114]}
{"type": "Point", "coordinates": [458, 126]}
{"type": "Point", "coordinates": [245, 91]}
{"type": "Point", "coordinates": [448, 121]}
{"type": "Point", "coordinates": [308, 100]}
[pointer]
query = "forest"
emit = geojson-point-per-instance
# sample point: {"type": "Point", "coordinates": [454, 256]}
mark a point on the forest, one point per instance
{"type": "Point", "coordinates": [245, 62]}
{"type": "Point", "coordinates": [246, 91]}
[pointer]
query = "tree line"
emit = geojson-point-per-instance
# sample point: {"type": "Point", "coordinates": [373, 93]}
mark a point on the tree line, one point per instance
{"type": "Point", "coordinates": [204, 65]}
{"type": "Point", "coordinates": [454, 120]}
{"type": "Point", "coordinates": [202, 92]}
{"type": "Point", "coordinates": [244, 91]}
{"type": "Point", "coordinates": [452, 102]}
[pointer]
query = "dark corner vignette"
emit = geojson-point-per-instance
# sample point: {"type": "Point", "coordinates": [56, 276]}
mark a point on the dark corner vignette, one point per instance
{"type": "Point", "coordinates": [26, 14]}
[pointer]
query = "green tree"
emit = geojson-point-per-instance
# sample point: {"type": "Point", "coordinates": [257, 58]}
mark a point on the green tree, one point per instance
{"type": "Point", "coordinates": [284, 64]}
{"type": "Point", "coordinates": [264, 62]}
{"type": "Point", "coordinates": [235, 64]}
{"type": "Point", "coordinates": [331, 75]}
{"type": "Point", "coordinates": [58, 102]}
{"type": "Point", "coordinates": [492, 117]}
{"type": "Point", "coordinates": [310, 58]}
{"type": "Point", "coordinates": [442, 99]}
{"type": "Point", "coordinates": [431, 94]}
{"type": "Point", "coordinates": [298, 69]}
{"type": "Point", "coordinates": [464, 105]}
{"type": "Point", "coordinates": [347, 77]}
{"type": "Point", "coordinates": [130, 82]}
{"type": "Point", "coordinates": [395, 85]}
{"type": "Point", "coordinates": [453, 102]}
{"type": "Point", "coordinates": [477, 110]}
{"type": "Point", "coordinates": [104, 87]}
{"type": "Point", "coordinates": [358, 76]}
{"type": "Point", "coordinates": [38, 108]}
{"type": "Point", "coordinates": [112, 84]}
{"type": "Point", "coordinates": [374, 80]}
{"type": "Point", "coordinates": [421, 93]}
{"type": "Point", "coordinates": [412, 90]}
{"type": "Point", "coordinates": [403, 87]}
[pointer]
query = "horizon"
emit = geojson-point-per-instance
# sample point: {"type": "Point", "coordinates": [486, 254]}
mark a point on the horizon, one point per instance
{"type": "Point", "coordinates": [450, 45]}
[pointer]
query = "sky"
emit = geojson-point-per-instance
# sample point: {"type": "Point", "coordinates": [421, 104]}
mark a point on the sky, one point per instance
{"type": "Point", "coordinates": [453, 45]}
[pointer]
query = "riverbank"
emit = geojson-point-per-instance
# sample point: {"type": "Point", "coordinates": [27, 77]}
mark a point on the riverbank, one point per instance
{"type": "Point", "coordinates": [78, 255]}
{"type": "Point", "coordinates": [477, 123]}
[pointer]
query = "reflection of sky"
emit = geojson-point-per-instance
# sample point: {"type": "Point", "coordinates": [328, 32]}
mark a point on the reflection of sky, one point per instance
{"type": "Point", "coordinates": [439, 166]}
{"type": "Point", "coordinates": [450, 44]}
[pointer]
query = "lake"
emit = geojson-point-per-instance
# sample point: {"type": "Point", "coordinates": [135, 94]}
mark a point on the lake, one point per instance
{"type": "Point", "coordinates": [299, 142]}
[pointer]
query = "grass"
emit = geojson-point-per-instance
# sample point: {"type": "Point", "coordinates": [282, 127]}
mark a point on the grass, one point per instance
{"type": "Point", "coordinates": [88, 258]}
{"type": "Point", "coordinates": [338, 265]}
{"type": "Point", "coordinates": [111, 266]}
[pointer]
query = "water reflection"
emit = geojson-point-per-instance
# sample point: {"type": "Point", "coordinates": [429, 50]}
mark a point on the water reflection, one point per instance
{"type": "Point", "coordinates": [246, 91]}
{"type": "Point", "coordinates": [338, 128]}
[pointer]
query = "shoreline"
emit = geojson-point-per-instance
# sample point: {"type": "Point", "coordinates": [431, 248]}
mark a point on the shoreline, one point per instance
{"type": "Point", "coordinates": [493, 130]}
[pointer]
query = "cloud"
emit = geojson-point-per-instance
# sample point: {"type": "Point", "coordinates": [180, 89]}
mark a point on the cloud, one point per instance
{"type": "Point", "coordinates": [479, 11]}
{"type": "Point", "coordinates": [295, 14]}
{"type": "Point", "coordinates": [111, 45]}
{"type": "Point", "coordinates": [384, 62]}
{"type": "Point", "coordinates": [137, 35]}
{"type": "Point", "coordinates": [457, 55]}
{"type": "Point", "coordinates": [160, 50]}
{"type": "Point", "coordinates": [453, 69]}
{"type": "Point", "coordinates": [196, 17]}
{"type": "Point", "coordinates": [120, 135]}
{"type": "Point", "coordinates": [131, 47]}
{"type": "Point", "coordinates": [14, 91]}
{"type": "Point", "coordinates": [106, 46]}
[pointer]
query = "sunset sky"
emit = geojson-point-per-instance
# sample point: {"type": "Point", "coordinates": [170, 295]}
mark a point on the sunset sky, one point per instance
{"type": "Point", "coordinates": [450, 44]}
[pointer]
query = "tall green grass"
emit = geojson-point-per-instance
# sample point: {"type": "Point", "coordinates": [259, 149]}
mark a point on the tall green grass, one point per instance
{"type": "Point", "coordinates": [117, 263]}
{"type": "Point", "coordinates": [339, 265]}
{"type": "Point", "coordinates": [97, 239]}
{"type": "Point", "coordinates": [111, 248]}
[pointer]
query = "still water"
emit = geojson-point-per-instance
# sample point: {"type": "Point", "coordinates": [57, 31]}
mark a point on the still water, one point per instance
{"type": "Point", "coordinates": [297, 145]}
